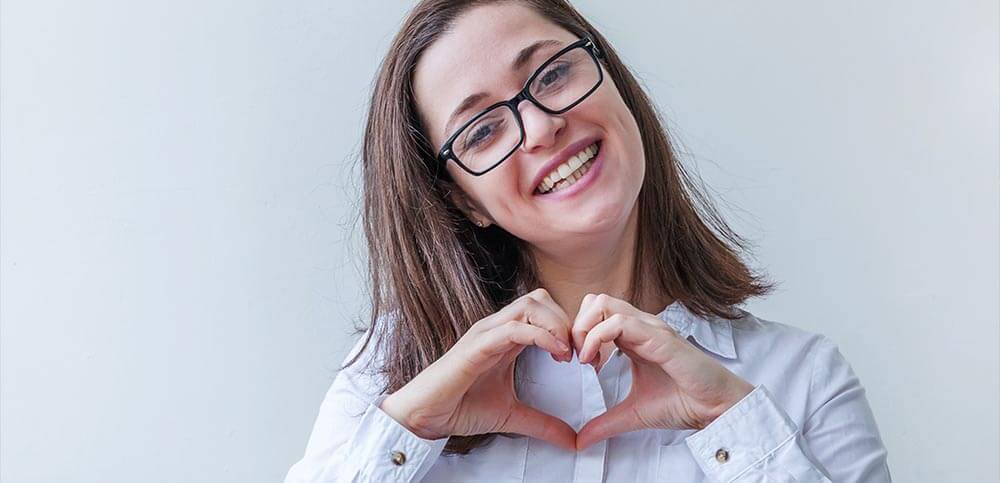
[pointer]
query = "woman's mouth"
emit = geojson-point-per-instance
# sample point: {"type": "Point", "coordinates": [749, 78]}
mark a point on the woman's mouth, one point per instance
{"type": "Point", "coordinates": [571, 172]}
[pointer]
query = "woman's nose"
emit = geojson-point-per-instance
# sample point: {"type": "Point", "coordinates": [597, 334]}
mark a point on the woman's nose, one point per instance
{"type": "Point", "coordinates": [540, 127]}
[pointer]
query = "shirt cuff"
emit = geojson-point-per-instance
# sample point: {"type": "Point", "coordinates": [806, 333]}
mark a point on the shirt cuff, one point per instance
{"type": "Point", "coordinates": [744, 434]}
{"type": "Point", "coordinates": [386, 451]}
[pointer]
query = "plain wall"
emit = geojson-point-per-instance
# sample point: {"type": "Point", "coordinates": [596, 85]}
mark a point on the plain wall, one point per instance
{"type": "Point", "coordinates": [179, 277]}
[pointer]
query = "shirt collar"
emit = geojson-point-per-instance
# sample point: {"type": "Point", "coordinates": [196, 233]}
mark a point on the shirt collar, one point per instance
{"type": "Point", "coordinates": [713, 333]}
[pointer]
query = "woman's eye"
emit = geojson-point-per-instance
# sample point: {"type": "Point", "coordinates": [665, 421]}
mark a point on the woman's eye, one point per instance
{"type": "Point", "coordinates": [554, 75]}
{"type": "Point", "coordinates": [479, 134]}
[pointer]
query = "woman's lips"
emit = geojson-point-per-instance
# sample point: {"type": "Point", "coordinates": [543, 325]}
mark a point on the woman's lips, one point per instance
{"type": "Point", "coordinates": [560, 158]}
{"type": "Point", "coordinates": [597, 163]}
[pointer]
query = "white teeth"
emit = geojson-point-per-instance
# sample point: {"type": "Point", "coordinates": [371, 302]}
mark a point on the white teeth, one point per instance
{"type": "Point", "coordinates": [573, 178]}
{"type": "Point", "coordinates": [569, 167]}
{"type": "Point", "coordinates": [564, 170]}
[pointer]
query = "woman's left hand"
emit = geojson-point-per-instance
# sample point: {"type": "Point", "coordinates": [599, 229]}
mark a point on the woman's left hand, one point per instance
{"type": "Point", "coordinates": [675, 385]}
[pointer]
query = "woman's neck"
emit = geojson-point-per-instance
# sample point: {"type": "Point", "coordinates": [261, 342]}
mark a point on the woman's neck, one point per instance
{"type": "Point", "coordinates": [599, 268]}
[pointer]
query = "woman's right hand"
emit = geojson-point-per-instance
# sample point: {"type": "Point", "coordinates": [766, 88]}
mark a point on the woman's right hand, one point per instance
{"type": "Point", "coordinates": [470, 389]}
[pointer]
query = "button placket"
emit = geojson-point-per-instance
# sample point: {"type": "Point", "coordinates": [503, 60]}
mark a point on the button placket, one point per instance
{"type": "Point", "coordinates": [589, 464]}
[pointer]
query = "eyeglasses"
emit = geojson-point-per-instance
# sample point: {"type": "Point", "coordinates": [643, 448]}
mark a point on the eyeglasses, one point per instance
{"type": "Point", "coordinates": [490, 137]}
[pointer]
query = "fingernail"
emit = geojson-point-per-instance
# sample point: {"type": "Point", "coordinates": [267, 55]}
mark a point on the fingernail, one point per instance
{"type": "Point", "coordinates": [562, 346]}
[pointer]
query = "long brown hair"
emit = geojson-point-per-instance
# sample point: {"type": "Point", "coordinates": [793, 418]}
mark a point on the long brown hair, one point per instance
{"type": "Point", "coordinates": [433, 273]}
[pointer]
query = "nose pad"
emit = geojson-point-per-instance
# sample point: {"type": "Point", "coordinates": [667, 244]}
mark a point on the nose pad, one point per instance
{"type": "Point", "coordinates": [540, 127]}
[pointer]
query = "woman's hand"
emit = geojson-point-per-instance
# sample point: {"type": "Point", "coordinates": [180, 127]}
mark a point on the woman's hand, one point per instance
{"type": "Point", "coordinates": [470, 389]}
{"type": "Point", "coordinates": [674, 384]}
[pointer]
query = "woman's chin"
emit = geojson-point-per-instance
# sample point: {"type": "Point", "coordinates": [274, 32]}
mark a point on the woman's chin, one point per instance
{"type": "Point", "coordinates": [582, 223]}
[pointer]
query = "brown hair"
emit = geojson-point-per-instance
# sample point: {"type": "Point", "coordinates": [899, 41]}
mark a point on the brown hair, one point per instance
{"type": "Point", "coordinates": [436, 274]}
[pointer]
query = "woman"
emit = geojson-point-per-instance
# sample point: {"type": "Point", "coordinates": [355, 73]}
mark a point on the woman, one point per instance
{"type": "Point", "coordinates": [549, 304]}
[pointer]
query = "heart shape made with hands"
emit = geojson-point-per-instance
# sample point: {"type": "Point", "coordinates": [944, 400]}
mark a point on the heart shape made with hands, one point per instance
{"type": "Point", "coordinates": [675, 385]}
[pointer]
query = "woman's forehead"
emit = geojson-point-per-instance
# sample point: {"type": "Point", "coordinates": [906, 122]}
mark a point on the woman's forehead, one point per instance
{"type": "Point", "coordinates": [477, 55]}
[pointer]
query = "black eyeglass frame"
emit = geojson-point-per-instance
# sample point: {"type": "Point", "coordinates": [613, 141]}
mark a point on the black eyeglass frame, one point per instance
{"type": "Point", "coordinates": [586, 43]}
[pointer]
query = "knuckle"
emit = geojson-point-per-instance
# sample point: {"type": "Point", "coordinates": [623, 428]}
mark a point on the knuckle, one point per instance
{"type": "Point", "coordinates": [529, 303]}
{"type": "Point", "coordinates": [602, 299]}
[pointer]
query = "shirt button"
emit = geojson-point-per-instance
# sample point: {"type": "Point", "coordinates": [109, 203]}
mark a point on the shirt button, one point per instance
{"type": "Point", "coordinates": [398, 458]}
{"type": "Point", "coordinates": [722, 455]}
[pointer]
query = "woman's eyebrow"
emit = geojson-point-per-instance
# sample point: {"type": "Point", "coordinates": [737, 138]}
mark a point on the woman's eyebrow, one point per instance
{"type": "Point", "coordinates": [528, 52]}
{"type": "Point", "coordinates": [522, 58]}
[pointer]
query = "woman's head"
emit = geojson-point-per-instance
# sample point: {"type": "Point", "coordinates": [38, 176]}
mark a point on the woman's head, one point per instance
{"type": "Point", "coordinates": [475, 55]}
{"type": "Point", "coordinates": [433, 272]}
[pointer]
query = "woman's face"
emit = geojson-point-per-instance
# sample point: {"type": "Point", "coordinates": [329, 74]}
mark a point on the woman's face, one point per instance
{"type": "Point", "coordinates": [476, 56]}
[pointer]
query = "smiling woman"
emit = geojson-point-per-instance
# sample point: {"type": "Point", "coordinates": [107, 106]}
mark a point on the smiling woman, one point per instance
{"type": "Point", "coordinates": [543, 269]}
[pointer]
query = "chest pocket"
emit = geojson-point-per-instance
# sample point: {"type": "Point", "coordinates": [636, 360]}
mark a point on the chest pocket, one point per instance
{"type": "Point", "coordinates": [675, 462]}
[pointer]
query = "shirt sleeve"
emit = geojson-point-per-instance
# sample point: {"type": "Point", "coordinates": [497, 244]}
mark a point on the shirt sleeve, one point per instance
{"type": "Point", "coordinates": [755, 440]}
{"type": "Point", "coordinates": [353, 440]}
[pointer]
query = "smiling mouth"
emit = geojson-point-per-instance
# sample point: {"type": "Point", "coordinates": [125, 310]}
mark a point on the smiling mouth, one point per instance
{"type": "Point", "coordinates": [570, 172]}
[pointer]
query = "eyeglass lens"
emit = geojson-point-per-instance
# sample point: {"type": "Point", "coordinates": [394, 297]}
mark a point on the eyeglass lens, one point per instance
{"type": "Point", "coordinates": [495, 133]}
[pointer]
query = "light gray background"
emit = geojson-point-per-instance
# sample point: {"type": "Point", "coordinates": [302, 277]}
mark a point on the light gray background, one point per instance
{"type": "Point", "coordinates": [179, 278]}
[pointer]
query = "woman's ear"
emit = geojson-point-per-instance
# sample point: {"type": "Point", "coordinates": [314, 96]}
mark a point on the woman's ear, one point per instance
{"type": "Point", "coordinates": [468, 206]}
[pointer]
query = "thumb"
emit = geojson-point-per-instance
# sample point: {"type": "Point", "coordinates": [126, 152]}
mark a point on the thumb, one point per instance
{"type": "Point", "coordinates": [617, 420]}
{"type": "Point", "coordinates": [532, 422]}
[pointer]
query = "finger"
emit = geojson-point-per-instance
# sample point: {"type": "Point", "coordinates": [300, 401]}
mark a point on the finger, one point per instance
{"type": "Point", "coordinates": [617, 420]}
{"type": "Point", "coordinates": [532, 422]}
{"type": "Point", "coordinates": [542, 315]}
{"type": "Point", "coordinates": [536, 300]}
{"type": "Point", "coordinates": [624, 330]}
{"type": "Point", "coordinates": [605, 331]}
{"type": "Point", "coordinates": [590, 314]}
{"type": "Point", "coordinates": [635, 337]}
{"type": "Point", "coordinates": [536, 308]}
{"type": "Point", "coordinates": [507, 313]}
{"type": "Point", "coordinates": [546, 299]}
{"type": "Point", "coordinates": [596, 308]}
{"type": "Point", "coordinates": [515, 333]}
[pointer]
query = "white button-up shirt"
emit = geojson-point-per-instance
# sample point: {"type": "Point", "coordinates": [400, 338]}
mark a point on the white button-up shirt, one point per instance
{"type": "Point", "coordinates": [807, 420]}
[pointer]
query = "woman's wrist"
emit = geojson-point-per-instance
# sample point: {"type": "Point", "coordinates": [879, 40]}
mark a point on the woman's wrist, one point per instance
{"type": "Point", "coordinates": [394, 407]}
{"type": "Point", "coordinates": [741, 389]}
{"type": "Point", "coordinates": [391, 407]}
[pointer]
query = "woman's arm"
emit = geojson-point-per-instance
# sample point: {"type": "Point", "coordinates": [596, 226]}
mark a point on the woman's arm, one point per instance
{"type": "Point", "coordinates": [353, 440]}
{"type": "Point", "coordinates": [468, 390]}
{"type": "Point", "coordinates": [839, 441]}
